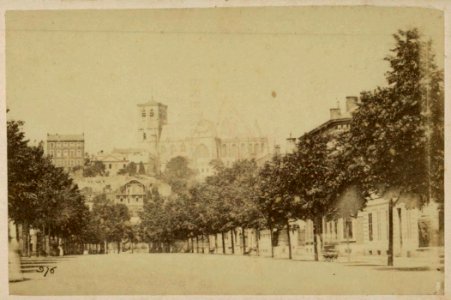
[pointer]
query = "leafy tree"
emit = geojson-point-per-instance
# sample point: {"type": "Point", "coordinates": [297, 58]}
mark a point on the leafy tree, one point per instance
{"type": "Point", "coordinates": [117, 223]}
{"type": "Point", "coordinates": [276, 200]}
{"type": "Point", "coordinates": [397, 131]}
{"type": "Point", "coordinates": [131, 169]}
{"type": "Point", "coordinates": [153, 220]}
{"type": "Point", "coordinates": [94, 168]}
{"type": "Point", "coordinates": [178, 175]}
{"type": "Point", "coordinates": [110, 220]}
{"type": "Point", "coordinates": [40, 195]}
{"type": "Point", "coordinates": [141, 168]}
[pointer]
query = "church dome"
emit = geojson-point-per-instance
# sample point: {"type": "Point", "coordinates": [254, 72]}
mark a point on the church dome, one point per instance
{"type": "Point", "coordinates": [204, 128]}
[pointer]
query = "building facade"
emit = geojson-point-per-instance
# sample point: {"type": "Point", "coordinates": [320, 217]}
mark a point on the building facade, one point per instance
{"type": "Point", "coordinates": [200, 140]}
{"type": "Point", "coordinates": [113, 163]}
{"type": "Point", "coordinates": [66, 151]}
{"type": "Point", "coordinates": [365, 232]}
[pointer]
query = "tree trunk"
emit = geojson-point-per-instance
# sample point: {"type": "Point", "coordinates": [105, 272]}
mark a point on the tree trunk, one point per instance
{"type": "Point", "coordinates": [233, 243]}
{"type": "Point", "coordinates": [132, 246]}
{"type": "Point", "coordinates": [203, 243]}
{"type": "Point", "coordinates": [216, 243]}
{"type": "Point", "coordinates": [244, 241]}
{"type": "Point", "coordinates": [197, 244]}
{"type": "Point", "coordinates": [390, 233]}
{"type": "Point", "coordinates": [223, 243]}
{"type": "Point", "coordinates": [192, 245]}
{"type": "Point", "coordinates": [289, 240]}
{"type": "Point", "coordinates": [208, 244]}
{"type": "Point", "coordinates": [118, 247]}
{"type": "Point", "coordinates": [257, 243]}
{"type": "Point", "coordinates": [271, 243]}
{"type": "Point", "coordinates": [25, 239]}
{"type": "Point", "coordinates": [315, 239]}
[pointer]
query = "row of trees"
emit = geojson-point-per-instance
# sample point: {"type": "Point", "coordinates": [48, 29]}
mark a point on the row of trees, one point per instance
{"type": "Point", "coordinates": [395, 147]}
{"type": "Point", "coordinates": [41, 196]}
{"type": "Point", "coordinates": [44, 198]}
{"type": "Point", "coordinates": [98, 168]}
{"type": "Point", "coordinates": [108, 222]}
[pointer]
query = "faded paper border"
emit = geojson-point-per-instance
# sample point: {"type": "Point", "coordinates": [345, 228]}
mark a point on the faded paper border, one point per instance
{"type": "Point", "coordinates": [112, 4]}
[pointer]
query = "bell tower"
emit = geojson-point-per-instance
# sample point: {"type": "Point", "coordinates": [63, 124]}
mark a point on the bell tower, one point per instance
{"type": "Point", "coordinates": [151, 118]}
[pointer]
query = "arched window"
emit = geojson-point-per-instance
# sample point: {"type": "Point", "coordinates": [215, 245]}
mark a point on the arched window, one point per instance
{"type": "Point", "coordinates": [143, 113]}
{"type": "Point", "coordinates": [144, 136]}
{"type": "Point", "coordinates": [151, 112]}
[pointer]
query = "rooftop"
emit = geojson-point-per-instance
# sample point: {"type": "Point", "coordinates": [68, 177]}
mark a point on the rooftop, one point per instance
{"type": "Point", "coordinates": [65, 137]}
{"type": "Point", "coordinates": [152, 102]}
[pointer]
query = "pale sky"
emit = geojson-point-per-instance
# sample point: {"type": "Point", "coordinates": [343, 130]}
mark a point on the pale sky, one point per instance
{"type": "Point", "coordinates": [70, 72]}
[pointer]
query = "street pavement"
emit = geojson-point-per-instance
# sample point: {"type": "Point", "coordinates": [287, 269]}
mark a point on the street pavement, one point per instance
{"type": "Point", "coordinates": [208, 274]}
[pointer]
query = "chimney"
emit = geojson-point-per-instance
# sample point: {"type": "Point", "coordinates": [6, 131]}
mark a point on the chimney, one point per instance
{"type": "Point", "coordinates": [351, 103]}
{"type": "Point", "coordinates": [335, 113]}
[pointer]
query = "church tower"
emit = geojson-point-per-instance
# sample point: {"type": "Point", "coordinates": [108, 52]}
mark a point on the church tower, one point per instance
{"type": "Point", "coordinates": [151, 118]}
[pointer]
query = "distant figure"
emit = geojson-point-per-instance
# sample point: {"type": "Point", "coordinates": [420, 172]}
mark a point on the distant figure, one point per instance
{"type": "Point", "coordinates": [61, 251]}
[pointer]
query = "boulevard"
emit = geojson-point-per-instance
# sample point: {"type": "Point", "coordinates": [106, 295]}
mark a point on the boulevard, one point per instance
{"type": "Point", "coordinates": [190, 274]}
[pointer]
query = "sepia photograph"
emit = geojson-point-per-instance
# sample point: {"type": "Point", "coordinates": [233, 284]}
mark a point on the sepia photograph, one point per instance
{"type": "Point", "coordinates": [269, 150]}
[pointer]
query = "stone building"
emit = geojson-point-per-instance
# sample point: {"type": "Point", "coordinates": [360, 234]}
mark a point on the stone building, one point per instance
{"type": "Point", "coordinates": [200, 140]}
{"type": "Point", "coordinates": [66, 151]}
{"type": "Point", "coordinates": [365, 232]}
{"type": "Point", "coordinates": [113, 162]}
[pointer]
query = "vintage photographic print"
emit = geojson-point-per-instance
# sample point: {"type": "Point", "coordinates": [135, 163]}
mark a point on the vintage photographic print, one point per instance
{"type": "Point", "coordinates": [279, 150]}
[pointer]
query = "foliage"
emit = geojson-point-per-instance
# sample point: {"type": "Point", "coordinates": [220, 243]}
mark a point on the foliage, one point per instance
{"type": "Point", "coordinates": [39, 194]}
{"type": "Point", "coordinates": [109, 221]}
{"type": "Point", "coordinates": [131, 169]}
{"type": "Point", "coordinates": [94, 168]}
{"type": "Point", "coordinates": [397, 132]}
{"type": "Point", "coordinates": [178, 175]}
{"type": "Point", "coordinates": [141, 168]}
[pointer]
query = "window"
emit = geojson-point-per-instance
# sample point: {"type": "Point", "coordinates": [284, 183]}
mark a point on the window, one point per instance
{"type": "Point", "coordinates": [143, 113]}
{"type": "Point", "coordinates": [370, 227]}
{"type": "Point", "coordinates": [347, 228]}
{"type": "Point", "coordinates": [144, 136]}
{"type": "Point", "coordinates": [379, 224]}
{"type": "Point", "coordinates": [151, 112]}
{"type": "Point", "coordinates": [109, 166]}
